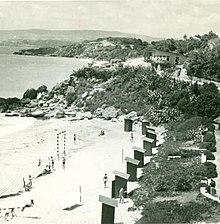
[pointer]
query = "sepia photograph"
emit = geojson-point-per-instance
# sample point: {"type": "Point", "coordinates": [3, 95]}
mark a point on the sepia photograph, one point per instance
{"type": "Point", "coordinates": [109, 111]}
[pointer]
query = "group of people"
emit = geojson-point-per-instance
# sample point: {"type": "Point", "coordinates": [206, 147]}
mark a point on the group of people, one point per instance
{"type": "Point", "coordinates": [10, 212]}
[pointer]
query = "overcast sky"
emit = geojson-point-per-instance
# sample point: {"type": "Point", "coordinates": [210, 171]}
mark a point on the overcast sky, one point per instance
{"type": "Point", "coordinates": [159, 18]}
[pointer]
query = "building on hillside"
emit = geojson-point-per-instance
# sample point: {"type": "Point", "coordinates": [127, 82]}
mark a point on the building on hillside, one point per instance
{"type": "Point", "coordinates": [164, 56]}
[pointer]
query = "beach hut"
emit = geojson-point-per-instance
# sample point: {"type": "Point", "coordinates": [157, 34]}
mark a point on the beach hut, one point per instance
{"type": "Point", "coordinates": [139, 155]}
{"type": "Point", "coordinates": [108, 209]}
{"type": "Point", "coordinates": [153, 135]}
{"type": "Point", "coordinates": [144, 126]}
{"type": "Point", "coordinates": [148, 144]}
{"type": "Point", "coordinates": [128, 125]}
{"type": "Point", "coordinates": [150, 128]}
{"type": "Point", "coordinates": [217, 122]}
{"type": "Point", "coordinates": [120, 181]}
{"type": "Point", "coordinates": [132, 168]}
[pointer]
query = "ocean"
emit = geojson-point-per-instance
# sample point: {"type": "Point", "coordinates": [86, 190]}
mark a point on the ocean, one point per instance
{"type": "Point", "coordinates": [19, 73]}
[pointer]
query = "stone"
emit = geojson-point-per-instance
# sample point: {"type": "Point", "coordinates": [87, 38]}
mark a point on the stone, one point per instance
{"type": "Point", "coordinates": [88, 115]}
{"type": "Point", "coordinates": [3, 105]}
{"type": "Point", "coordinates": [132, 115]}
{"type": "Point", "coordinates": [30, 94]}
{"type": "Point", "coordinates": [37, 113]}
{"type": "Point", "coordinates": [109, 112]}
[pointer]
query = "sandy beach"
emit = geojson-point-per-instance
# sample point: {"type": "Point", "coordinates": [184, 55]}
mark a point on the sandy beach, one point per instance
{"type": "Point", "coordinates": [87, 161]}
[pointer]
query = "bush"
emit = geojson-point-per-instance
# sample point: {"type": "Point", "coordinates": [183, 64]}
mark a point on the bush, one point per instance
{"type": "Point", "coordinates": [209, 155]}
{"type": "Point", "coordinates": [209, 137]}
{"type": "Point", "coordinates": [174, 212]}
{"type": "Point", "coordinates": [211, 170]}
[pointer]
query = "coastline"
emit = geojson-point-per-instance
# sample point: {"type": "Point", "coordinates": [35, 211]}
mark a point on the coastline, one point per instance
{"type": "Point", "coordinates": [87, 161]}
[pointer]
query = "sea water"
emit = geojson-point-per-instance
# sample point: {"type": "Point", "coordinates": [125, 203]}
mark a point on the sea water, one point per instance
{"type": "Point", "coordinates": [19, 73]}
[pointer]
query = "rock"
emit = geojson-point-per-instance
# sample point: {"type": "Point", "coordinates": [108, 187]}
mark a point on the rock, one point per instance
{"type": "Point", "coordinates": [84, 95]}
{"type": "Point", "coordinates": [132, 115]}
{"type": "Point", "coordinates": [3, 105]}
{"type": "Point", "coordinates": [98, 112]}
{"type": "Point", "coordinates": [32, 104]}
{"type": "Point", "coordinates": [60, 114]}
{"type": "Point", "coordinates": [13, 102]}
{"type": "Point", "coordinates": [30, 94]}
{"type": "Point", "coordinates": [88, 115]}
{"type": "Point", "coordinates": [25, 101]}
{"type": "Point", "coordinates": [109, 112]}
{"type": "Point", "coordinates": [80, 116]}
{"type": "Point", "coordinates": [70, 95]}
{"type": "Point", "coordinates": [42, 89]}
{"type": "Point", "coordinates": [114, 120]}
{"type": "Point", "coordinates": [37, 113]}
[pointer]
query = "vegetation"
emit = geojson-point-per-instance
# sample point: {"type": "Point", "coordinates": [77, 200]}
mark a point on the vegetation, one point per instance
{"type": "Point", "coordinates": [159, 98]}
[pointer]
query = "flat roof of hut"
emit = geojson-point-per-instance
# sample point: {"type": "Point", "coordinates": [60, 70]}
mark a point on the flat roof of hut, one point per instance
{"type": "Point", "coordinates": [131, 160]}
{"type": "Point", "coordinates": [121, 174]}
{"type": "Point", "coordinates": [151, 131]}
{"type": "Point", "coordinates": [139, 149]}
{"type": "Point", "coordinates": [148, 139]}
{"type": "Point", "coordinates": [108, 201]}
{"type": "Point", "coordinates": [217, 120]}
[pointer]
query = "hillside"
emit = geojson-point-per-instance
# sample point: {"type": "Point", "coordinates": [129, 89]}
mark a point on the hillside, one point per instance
{"type": "Point", "coordinates": [60, 37]}
{"type": "Point", "coordinates": [100, 49]}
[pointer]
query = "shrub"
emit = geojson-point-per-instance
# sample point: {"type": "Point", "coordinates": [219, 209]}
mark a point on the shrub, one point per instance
{"type": "Point", "coordinates": [174, 212]}
{"type": "Point", "coordinates": [209, 137]}
{"type": "Point", "coordinates": [209, 155]}
{"type": "Point", "coordinates": [211, 170]}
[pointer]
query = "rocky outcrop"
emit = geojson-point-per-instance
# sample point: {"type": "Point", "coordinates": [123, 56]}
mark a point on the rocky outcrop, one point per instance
{"type": "Point", "coordinates": [3, 105]}
{"type": "Point", "coordinates": [30, 94]}
{"type": "Point", "coordinates": [38, 113]}
{"type": "Point", "coordinates": [109, 113]}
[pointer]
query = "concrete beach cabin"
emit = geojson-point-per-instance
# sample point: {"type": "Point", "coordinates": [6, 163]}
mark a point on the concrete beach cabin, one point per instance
{"type": "Point", "coordinates": [164, 56]}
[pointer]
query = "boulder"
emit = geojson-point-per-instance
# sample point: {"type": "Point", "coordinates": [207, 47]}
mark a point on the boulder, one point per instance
{"type": "Point", "coordinates": [109, 112]}
{"type": "Point", "coordinates": [84, 95]}
{"type": "Point", "coordinates": [42, 89]}
{"type": "Point", "coordinates": [132, 115]}
{"type": "Point", "coordinates": [70, 95]}
{"type": "Point", "coordinates": [25, 101]}
{"type": "Point", "coordinates": [114, 120]}
{"type": "Point", "coordinates": [32, 104]}
{"type": "Point", "coordinates": [30, 94]}
{"type": "Point", "coordinates": [60, 114]}
{"type": "Point", "coordinates": [88, 115]}
{"type": "Point", "coordinates": [98, 112]}
{"type": "Point", "coordinates": [3, 105]}
{"type": "Point", "coordinates": [37, 113]}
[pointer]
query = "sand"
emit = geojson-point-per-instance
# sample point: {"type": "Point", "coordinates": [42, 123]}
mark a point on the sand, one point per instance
{"type": "Point", "coordinates": [87, 161]}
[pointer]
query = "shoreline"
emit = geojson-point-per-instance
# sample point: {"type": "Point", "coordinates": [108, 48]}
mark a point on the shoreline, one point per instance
{"type": "Point", "coordinates": [87, 162]}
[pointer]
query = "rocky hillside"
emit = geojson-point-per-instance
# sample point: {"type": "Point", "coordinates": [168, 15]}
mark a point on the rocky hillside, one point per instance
{"type": "Point", "coordinates": [100, 49]}
{"type": "Point", "coordinates": [110, 93]}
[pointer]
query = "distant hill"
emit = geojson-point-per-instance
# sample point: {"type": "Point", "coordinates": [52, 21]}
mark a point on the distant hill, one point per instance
{"type": "Point", "coordinates": [101, 49]}
{"type": "Point", "coordinates": [65, 35]}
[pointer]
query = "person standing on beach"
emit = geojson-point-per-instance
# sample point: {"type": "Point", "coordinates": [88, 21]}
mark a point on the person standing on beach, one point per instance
{"type": "Point", "coordinates": [74, 138]}
{"type": "Point", "coordinates": [132, 137]}
{"type": "Point", "coordinates": [52, 162]}
{"type": "Point", "coordinates": [121, 195]}
{"type": "Point", "coordinates": [64, 162]}
{"type": "Point", "coordinates": [39, 162]}
{"type": "Point", "coordinates": [30, 180]}
{"type": "Point", "coordinates": [105, 180]}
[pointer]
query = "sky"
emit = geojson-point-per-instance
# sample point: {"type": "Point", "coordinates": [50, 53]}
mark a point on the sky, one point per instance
{"type": "Point", "coordinates": [157, 18]}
